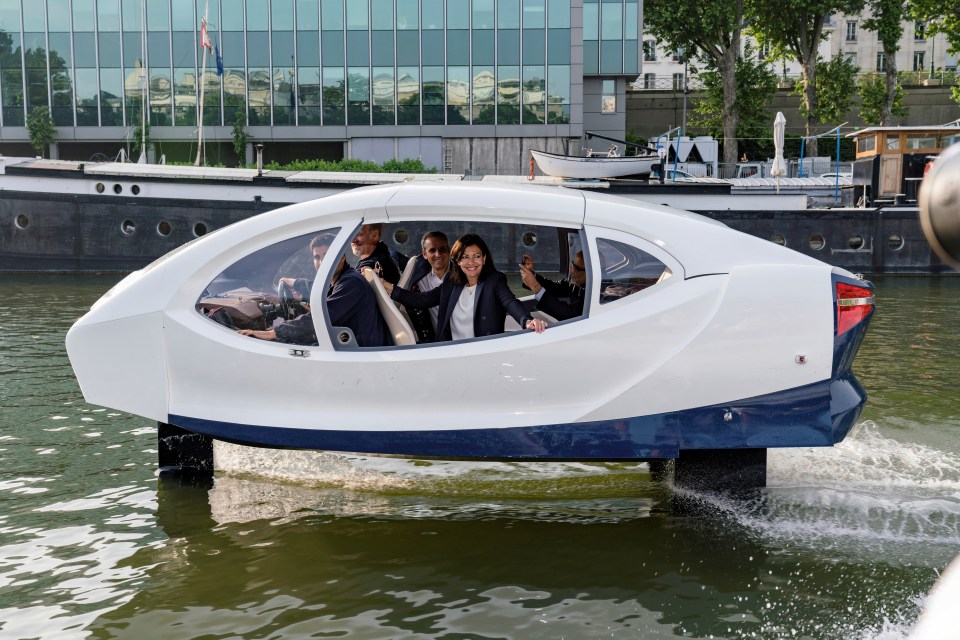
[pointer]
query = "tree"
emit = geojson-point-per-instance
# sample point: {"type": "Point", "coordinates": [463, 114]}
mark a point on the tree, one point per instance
{"type": "Point", "coordinates": [40, 129]}
{"type": "Point", "coordinates": [796, 26]}
{"type": "Point", "coordinates": [708, 30]}
{"type": "Point", "coordinates": [756, 85]}
{"type": "Point", "coordinates": [240, 138]}
{"type": "Point", "coordinates": [886, 20]}
{"type": "Point", "coordinates": [943, 17]}
{"type": "Point", "coordinates": [874, 104]}
{"type": "Point", "coordinates": [836, 86]}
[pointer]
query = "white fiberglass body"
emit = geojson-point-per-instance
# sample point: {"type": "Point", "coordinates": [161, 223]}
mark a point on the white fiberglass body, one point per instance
{"type": "Point", "coordinates": [738, 347]}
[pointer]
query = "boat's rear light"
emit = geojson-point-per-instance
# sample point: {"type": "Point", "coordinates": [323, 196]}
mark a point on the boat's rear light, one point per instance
{"type": "Point", "coordinates": [853, 305]}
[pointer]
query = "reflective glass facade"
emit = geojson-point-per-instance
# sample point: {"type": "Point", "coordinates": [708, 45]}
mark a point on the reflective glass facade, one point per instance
{"type": "Point", "coordinates": [373, 63]}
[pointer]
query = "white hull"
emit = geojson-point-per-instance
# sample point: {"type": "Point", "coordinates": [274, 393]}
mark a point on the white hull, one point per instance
{"type": "Point", "coordinates": [593, 168]}
{"type": "Point", "coordinates": [709, 357]}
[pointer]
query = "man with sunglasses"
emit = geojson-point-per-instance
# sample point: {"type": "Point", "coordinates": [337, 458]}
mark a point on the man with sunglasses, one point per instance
{"type": "Point", "coordinates": [563, 299]}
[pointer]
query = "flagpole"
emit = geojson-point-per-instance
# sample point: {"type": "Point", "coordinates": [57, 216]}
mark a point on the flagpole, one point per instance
{"type": "Point", "coordinates": [144, 80]}
{"type": "Point", "coordinates": [203, 74]}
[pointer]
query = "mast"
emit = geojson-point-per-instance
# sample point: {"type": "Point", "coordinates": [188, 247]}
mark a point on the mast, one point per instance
{"type": "Point", "coordinates": [143, 83]}
{"type": "Point", "coordinates": [204, 44]}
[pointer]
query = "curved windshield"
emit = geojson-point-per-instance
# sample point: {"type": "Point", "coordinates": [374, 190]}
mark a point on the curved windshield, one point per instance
{"type": "Point", "coordinates": [266, 287]}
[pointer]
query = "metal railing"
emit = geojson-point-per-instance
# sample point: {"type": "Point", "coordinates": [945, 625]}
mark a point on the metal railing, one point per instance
{"type": "Point", "coordinates": [674, 82]}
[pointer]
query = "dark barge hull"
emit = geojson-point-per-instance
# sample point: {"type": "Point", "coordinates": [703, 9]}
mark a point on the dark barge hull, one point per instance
{"type": "Point", "coordinates": [94, 233]}
{"type": "Point", "coordinates": [877, 241]}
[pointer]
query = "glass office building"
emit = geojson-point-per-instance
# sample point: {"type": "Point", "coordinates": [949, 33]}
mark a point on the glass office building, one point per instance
{"type": "Point", "coordinates": [366, 75]}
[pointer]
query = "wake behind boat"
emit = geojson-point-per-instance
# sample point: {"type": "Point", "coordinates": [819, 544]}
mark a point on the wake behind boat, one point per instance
{"type": "Point", "coordinates": [594, 167]}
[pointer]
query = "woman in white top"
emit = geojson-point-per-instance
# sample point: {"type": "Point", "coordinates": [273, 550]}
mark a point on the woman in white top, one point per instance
{"type": "Point", "coordinates": [474, 299]}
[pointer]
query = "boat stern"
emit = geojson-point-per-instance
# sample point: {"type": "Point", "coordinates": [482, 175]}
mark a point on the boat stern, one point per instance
{"type": "Point", "coordinates": [853, 310]}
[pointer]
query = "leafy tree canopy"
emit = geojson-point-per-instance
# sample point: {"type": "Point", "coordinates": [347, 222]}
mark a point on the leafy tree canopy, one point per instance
{"type": "Point", "coordinates": [756, 86]}
{"type": "Point", "coordinates": [873, 96]}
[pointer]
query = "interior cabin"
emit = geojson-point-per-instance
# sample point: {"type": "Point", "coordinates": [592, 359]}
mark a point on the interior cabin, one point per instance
{"type": "Point", "coordinates": [891, 160]}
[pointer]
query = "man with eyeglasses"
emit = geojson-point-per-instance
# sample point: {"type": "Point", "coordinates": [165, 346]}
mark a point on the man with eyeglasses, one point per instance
{"type": "Point", "coordinates": [562, 300]}
{"type": "Point", "coordinates": [427, 273]}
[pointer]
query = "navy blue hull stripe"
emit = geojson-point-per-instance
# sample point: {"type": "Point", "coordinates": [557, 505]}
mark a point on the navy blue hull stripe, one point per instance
{"type": "Point", "coordinates": [815, 415]}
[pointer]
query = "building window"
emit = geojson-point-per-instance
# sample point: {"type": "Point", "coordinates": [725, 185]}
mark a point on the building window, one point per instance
{"type": "Point", "coordinates": [608, 100]}
{"type": "Point", "coordinates": [920, 31]}
{"type": "Point", "coordinates": [649, 51]}
{"type": "Point", "coordinates": [918, 60]}
{"type": "Point", "coordinates": [649, 80]}
{"type": "Point", "coordinates": [881, 62]}
{"type": "Point", "coordinates": [678, 82]}
{"type": "Point", "coordinates": [852, 31]}
{"type": "Point", "coordinates": [763, 51]}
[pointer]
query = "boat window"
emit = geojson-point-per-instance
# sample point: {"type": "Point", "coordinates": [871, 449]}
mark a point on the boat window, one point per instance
{"type": "Point", "coordinates": [921, 141]}
{"type": "Point", "coordinates": [625, 270]}
{"type": "Point", "coordinates": [893, 141]}
{"type": "Point", "coordinates": [266, 287]}
{"type": "Point", "coordinates": [951, 139]}
{"type": "Point", "coordinates": [552, 249]}
{"type": "Point", "coordinates": [866, 144]}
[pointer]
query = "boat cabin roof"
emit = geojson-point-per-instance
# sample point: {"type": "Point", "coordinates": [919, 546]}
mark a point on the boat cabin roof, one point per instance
{"type": "Point", "coordinates": [927, 140]}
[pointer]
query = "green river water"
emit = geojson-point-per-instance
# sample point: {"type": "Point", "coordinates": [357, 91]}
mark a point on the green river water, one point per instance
{"type": "Point", "coordinates": [843, 543]}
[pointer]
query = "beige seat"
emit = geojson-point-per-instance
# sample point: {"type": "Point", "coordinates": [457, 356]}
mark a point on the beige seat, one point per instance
{"type": "Point", "coordinates": [509, 324]}
{"type": "Point", "coordinates": [404, 283]}
{"type": "Point", "coordinates": [399, 327]}
{"type": "Point", "coordinates": [407, 274]}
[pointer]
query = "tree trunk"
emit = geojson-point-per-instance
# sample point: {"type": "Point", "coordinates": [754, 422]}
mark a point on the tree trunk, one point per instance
{"type": "Point", "coordinates": [809, 71]}
{"type": "Point", "coordinates": [886, 111]}
{"type": "Point", "coordinates": [731, 116]}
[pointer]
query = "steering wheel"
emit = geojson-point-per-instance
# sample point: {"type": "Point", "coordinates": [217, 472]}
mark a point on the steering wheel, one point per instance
{"type": "Point", "coordinates": [287, 303]}
{"type": "Point", "coordinates": [290, 307]}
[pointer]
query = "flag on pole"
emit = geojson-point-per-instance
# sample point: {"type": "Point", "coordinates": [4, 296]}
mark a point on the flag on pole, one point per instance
{"type": "Point", "coordinates": [219, 58]}
{"type": "Point", "coordinates": [204, 37]}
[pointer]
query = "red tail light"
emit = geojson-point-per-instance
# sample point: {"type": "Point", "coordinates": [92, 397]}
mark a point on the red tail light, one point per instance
{"type": "Point", "coordinates": [853, 305]}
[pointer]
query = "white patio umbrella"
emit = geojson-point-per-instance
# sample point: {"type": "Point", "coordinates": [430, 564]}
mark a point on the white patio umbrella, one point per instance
{"type": "Point", "coordinates": [779, 168]}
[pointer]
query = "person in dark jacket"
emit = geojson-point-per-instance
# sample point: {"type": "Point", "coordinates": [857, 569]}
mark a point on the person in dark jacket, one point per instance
{"type": "Point", "coordinates": [561, 299]}
{"type": "Point", "coordinates": [351, 303]}
{"type": "Point", "coordinates": [474, 299]}
{"type": "Point", "coordinates": [374, 254]}
{"type": "Point", "coordinates": [428, 271]}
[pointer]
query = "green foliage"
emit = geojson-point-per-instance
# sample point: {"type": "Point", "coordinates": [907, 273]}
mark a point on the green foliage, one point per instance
{"type": "Point", "coordinates": [835, 88]}
{"type": "Point", "coordinates": [240, 138]}
{"type": "Point", "coordinates": [886, 19]}
{"type": "Point", "coordinates": [637, 139]}
{"type": "Point", "coordinates": [940, 17]}
{"type": "Point", "coordinates": [704, 28]}
{"type": "Point", "coordinates": [40, 129]}
{"type": "Point", "coordinates": [756, 85]}
{"type": "Point", "coordinates": [873, 97]}
{"type": "Point", "coordinates": [407, 165]}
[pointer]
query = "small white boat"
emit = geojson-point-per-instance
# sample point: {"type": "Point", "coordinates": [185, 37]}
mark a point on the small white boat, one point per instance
{"type": "Point", "coordinates": [594, 167]}
{"type": "Point", "coordinates": [695, 342]}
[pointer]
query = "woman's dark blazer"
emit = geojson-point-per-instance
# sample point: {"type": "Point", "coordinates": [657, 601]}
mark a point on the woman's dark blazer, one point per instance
{"type": "Point", "coordinates": [494, 302]}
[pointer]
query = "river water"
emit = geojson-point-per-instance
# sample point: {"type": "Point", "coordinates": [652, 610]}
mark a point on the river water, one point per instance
{"type": "Point", "coordinates": [844, 542]}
